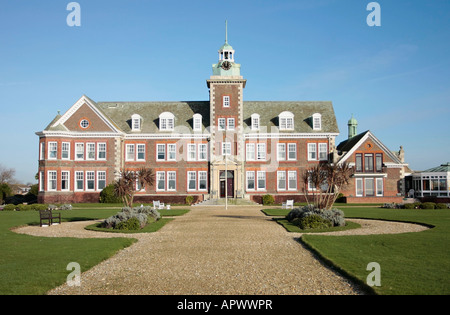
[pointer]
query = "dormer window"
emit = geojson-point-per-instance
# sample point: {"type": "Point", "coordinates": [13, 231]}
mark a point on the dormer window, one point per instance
{"type": "Point", "coordinates": [255, 121]}
{"type": "Point", "coordinates": [286, 121]}
{"type": "Point", "coordinates": [136, 121]}
{"type": "Point", "coordinates": [317, 121]}
{"type": "Point", "coordinates": [197, 122]}
{"type": "Point", "coordinates": [166, 121]}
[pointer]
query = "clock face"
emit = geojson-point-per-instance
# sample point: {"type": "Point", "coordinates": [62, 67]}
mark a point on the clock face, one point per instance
{"type": "Point", "coordinates": [226, 65]}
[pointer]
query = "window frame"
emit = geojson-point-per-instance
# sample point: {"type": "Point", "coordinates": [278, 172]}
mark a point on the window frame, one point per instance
{"type": "Point", "coordinates": [320, 150]}
{"type": "Point", "coordinates": [280, 174]}
{"type": "Point", "coordinates": [282, 152]}
{"type": "Point", "coordinates": [52, 178]}
{"type": "Point", "coordinates": [90, 180]}
{"type": "Point", "coordinates": [221, 126]}
{"type": "Point", "coordinates": [255, 118]}
{"type": "Point", "coordinates": [130, 155]}
{"type": "Point", "coordinates": [90, 145]}
{"type": "Point", "coordinates": [67, 149]}
{"type": "Point", "coordinates": [369, 163]}
{"type": "Point", "coordinates": [202, 150]}
{"type": "Point", "coordinates": [258, 181]}
{"type": "Point", "coordinates": [377, 186]}
{"type": "Point", "coordinates": [140, 146]}
{"type": "Point", "coordinates": [52, 150]}
{"type": "Point", "coordinates": [101, 174]}
{"type": "Point", "coordinates": [233, 124]}
{"type": "Point", "coordinates": [368, 180]}
{"type": "Point", "coordinates": [311, 152]}
{"type": "Point", "coordinates": [171, 149]}
{"type": "Point", "coordinates": [205, 173]}
{"type": "Point", "coordinates": [101, 148]}
{"type": "Point", "coordinates": [263, 156]}
{"type": "Point", "coordinates": [317, 121]}
{"type": "Point", "coordinates": [286, 121]}
{"type": "Point", "coordinates": [192, 152]}
{"type": "Point", "coordinates": [248, 152]}
{"type": "Point", "coordinates": [160, 176]}
{"type": "Point", "coordinates": [79, 179]}
{"type": "Point", "coordinates": [294, 145]}
{"type": "Point", "coordinates": [189, 179]}
{"type": "Point", "coordinates": [226, 148]}
{"type": "Point", "coordinates": [158, 146]}
{"type": "Point", "coordinates": [359, 192]}
{"type": "Point", "coordinates": [166, 121]}
{"type": "Point", "coordinates": [67, 180]}
{"type": "Point", "coordinates": [77, 151]}
{"type": "Point", "coordinates": [169, 173]}
{"type": "Point", "coordinates": [197, 122]}
{"type": "Point", "coordinates": [288, 181]}
{"type": "Point", "coordinates": [226, 101]}
{"type": "Point", "coordinates": [248, 180]}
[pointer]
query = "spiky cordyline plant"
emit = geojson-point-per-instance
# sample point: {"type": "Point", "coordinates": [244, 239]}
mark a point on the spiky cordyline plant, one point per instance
{"type": "Point", "coordinates": [125, 185]}
{"type": "Point", "coordinates": [327, 181]}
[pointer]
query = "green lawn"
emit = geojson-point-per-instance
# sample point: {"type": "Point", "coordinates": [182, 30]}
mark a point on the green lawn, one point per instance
{"type": "Point", "coordinates": [410, 263]}
{"type": "Point", "coordinates": [34, 265]}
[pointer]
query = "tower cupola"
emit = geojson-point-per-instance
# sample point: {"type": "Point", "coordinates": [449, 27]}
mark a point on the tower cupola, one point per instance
{"type": "Point", "coordinates": [226, 65]}
{"type": "Point", "coordinates": [352, 127]}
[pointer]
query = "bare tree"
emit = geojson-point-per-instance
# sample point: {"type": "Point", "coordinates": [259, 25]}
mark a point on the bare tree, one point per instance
{"type": "Point", "coordinates": [6, 175]}
{"type": "Point", "coordinates": [125, 186]}
{"type": "Point", "coordinates": [326, 181]}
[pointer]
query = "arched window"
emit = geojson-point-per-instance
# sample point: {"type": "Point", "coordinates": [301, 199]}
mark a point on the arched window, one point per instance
{"type": "Point", "coordinates": [136, 121]}
{"type": "Point", "coordinates": [286, 121]}
{"type": "Point", "coordinates": [317, 121]}
{"type": "Point", "coordinates": [166, 121]}
{"type": "Point", "coordinates": [197, 122]}
{"type": "Point", "coordinates": [255, 121]}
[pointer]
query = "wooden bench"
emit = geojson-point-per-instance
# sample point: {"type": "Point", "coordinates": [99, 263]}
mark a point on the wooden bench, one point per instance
{"type": "Point", "coordinates": [49, 216]}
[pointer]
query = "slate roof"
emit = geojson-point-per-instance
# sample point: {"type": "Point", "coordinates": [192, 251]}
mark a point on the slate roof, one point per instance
{"type": "Point", "coordinates": [120, 114]}
{"type": "Point", "coordinates": [348, 144]}
{"type": "Point", "coordinates": [302, 111]}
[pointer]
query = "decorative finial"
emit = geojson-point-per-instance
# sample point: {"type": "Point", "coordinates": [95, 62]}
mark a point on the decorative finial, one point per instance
{"type": "Point", "coordinates": [226, 31]}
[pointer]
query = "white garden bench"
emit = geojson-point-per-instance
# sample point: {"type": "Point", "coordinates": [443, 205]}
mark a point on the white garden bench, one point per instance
{"type": "Point", "coordinates": [289, 204]}
{"type": "Point", "coordinates": [157, 205]}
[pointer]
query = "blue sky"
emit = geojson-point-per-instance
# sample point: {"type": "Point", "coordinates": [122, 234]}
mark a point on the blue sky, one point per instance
{"type": "Point", "coordinates": [393, 78]}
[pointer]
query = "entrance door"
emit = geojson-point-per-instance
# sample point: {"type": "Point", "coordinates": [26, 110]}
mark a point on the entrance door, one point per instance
{"type": "Point", "coordinates": [229, 182]}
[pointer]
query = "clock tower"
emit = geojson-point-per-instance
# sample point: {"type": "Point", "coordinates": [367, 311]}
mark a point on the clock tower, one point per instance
{"type": "Point", "coordinates": [227, 150]}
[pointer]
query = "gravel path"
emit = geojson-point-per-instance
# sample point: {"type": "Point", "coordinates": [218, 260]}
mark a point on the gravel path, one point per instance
{"type": "Point", "coordinates": [213, 251]}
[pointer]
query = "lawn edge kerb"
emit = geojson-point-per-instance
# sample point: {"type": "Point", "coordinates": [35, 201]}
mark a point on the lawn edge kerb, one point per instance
{"type": "Point", "coordinates": [334, 267]}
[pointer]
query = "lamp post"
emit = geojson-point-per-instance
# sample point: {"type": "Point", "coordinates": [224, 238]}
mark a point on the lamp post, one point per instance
{"type": "Point", "coordinates": [226, 178]}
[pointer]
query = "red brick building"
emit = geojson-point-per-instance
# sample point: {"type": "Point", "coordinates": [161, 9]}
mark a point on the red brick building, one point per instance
{"type": "Point", "coordinates": [207, 149]}
{"type": "Point", "coordinates": [378, 172]}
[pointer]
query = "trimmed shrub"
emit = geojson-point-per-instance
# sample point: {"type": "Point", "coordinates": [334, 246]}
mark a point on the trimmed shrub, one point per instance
{"type": "Point", "coordinates": [441, 206]}
{"type": "Point", "coordinates": [189, 200]}
{"type": "Point", "coordinates": [268, 200]}
{"type": "Point", "coordinates": [410, 206]}
{"type": "Point", "coordinates": [428, 205]}
{"type": "Point", "coordinates": [141, 214]}
{"type": "Point", "coordinates": [10, 207]}
{"type": "Point", "coordinates": [334, 216]}
{"type": "Point", "coordinates": [313, 221]}
{"type": "Point", "coordinates": [107, 195]}
{"type": "Point", "coordinates": [131, 224]}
